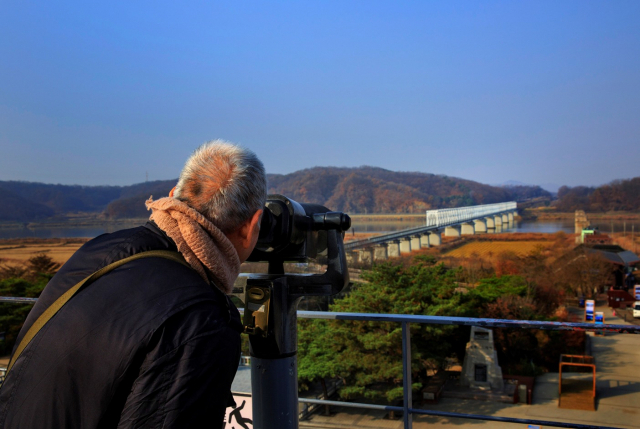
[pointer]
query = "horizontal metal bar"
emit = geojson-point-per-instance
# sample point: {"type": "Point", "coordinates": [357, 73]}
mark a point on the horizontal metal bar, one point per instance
{"type": "Point", "coordinates": [452, 415]}
{"type": "Point", "coordinates": [18, 299]}
{"type": "Point", "coordinates": [350, 404]}
{"type": "Point", "coordinates": [434, 320]}
{"type": "Point", "coordinates": [466, 321]}
{"type": "Point", "coordinates": [469, 321]}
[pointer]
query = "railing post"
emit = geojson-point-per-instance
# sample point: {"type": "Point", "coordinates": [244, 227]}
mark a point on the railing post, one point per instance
{"type": "Point", "coordinates": [406, 375]}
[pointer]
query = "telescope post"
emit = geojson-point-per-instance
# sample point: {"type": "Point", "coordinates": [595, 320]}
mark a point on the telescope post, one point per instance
{"type": "Point", "coordinates": [274, 364]}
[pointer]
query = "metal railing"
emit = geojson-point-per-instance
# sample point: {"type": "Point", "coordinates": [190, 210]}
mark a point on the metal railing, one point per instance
{"type": "Point", "coordinates": [407, 408]}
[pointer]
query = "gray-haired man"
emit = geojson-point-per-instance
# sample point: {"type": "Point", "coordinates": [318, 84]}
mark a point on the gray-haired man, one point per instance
{"type": "Point", "coordinates": [155, 342]}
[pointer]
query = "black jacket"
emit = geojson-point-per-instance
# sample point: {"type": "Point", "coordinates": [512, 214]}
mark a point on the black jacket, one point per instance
{"type": "Point", "coordinates": [150, 344]}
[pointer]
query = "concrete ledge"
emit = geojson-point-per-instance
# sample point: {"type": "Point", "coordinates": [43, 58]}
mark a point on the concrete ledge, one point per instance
{"type": "Point", "coordinates": [453, 390]}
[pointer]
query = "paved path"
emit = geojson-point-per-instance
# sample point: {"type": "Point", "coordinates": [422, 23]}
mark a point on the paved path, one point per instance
{"type": "Point", "coordinates": [617, 383]}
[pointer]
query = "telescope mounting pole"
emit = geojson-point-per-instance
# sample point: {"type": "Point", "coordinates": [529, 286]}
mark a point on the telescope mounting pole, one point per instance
{"type": "Point", "coordinates": [274, 365]}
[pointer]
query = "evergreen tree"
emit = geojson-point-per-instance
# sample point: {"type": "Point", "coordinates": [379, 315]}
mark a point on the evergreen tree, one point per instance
{"type": "Point", "coordinates": [368, 355]}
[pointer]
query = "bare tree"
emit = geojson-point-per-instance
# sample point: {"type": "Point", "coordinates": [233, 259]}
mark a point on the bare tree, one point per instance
{"type": "Point", "coordinates": [583, 272]}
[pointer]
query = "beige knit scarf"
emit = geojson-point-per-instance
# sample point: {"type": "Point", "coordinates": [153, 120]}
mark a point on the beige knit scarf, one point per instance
{"type": "Point", "coordinates": [202, 244]}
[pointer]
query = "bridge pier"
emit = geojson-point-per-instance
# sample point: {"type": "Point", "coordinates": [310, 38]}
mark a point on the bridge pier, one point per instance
{"type": "Point", "coordinates": [480, 226]}
{"type": "Point", "coordinates": [467, 228]}
{"type": "Point", "coordinates": [393, 247]}
{"type": "Point", "coordinates": [454, 222]}
{"type": "Point", "coordinates": [435, 238]}
{"type": "Point", "coordinates": [452, 231]}
{"type": "Point", "coordinates": [415, 242]}
{"type": "Point", "coordinates": [405, 245]}
{"type": "Point", "coordinates": [490, 222]}
{"type": "Point", "coordinates": [352, 256]}
{"type": "Point", "coordinates": [366, 255]}
{"type": "Point", "coordinates": [380, 253]}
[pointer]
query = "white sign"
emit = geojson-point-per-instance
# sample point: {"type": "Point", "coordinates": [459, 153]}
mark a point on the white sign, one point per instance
{"type": "Point", "coordinates": [589, 309]}
{"type": "Point", "coordinates": [240, 417]}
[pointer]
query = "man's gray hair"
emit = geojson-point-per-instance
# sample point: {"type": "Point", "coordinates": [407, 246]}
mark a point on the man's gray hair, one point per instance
{"type": "Point", "coordinates": [224, 182]}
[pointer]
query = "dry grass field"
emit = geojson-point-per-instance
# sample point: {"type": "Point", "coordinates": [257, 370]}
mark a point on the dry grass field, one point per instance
{"type": "Point", "coordinates": [17, 251]}
{"type": "Point", "coordinates": [489, 249]}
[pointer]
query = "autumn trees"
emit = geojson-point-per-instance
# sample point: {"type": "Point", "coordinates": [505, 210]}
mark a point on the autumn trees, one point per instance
{"type": "Point", "coordinates": [619, 195]}
{"type": "Point", "coordinates": [368, 356]}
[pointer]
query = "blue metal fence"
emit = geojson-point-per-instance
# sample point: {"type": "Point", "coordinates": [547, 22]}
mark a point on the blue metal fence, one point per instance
{"type": "Point", "coordinates": [407, 408]}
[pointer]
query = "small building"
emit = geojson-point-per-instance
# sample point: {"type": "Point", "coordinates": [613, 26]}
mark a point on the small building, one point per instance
{"type": "Point", "coordinates": [623, 260]}
{"type": "Point", "coordinates": [591, 236]}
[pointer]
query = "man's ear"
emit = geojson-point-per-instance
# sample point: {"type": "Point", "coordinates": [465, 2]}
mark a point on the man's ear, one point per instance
{"type": "Point", "coordinates": [250, 230]}
{"type": "Point", "coordinates": [244, 238]}
{"type": "Point", "coordinates": [172, 191]}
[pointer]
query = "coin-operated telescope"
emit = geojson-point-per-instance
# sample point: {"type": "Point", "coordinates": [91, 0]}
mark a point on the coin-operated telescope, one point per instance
{"type": "Point", "coordinates": [289, 232]}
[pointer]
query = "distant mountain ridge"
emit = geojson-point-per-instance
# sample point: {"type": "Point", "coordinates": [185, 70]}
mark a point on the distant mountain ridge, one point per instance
{"type": "Point", "coordinates": [376, 190]}
{"type": "Point", "coordinates": [29, 201]}
{"type": "Point", "coordinates": [353, 190]}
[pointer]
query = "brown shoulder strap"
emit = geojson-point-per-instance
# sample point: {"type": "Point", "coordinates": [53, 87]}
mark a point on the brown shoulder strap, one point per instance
{"type": "Point", "coordinates": [62, 300]}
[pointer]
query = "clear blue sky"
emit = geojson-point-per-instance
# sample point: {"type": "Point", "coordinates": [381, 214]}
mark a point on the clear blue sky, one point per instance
{"type": "Point", "coordinates": [535, 91]}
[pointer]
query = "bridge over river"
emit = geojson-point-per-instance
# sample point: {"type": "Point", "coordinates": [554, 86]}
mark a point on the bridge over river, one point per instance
{"type": "Point", "coordinates": [452, 222]}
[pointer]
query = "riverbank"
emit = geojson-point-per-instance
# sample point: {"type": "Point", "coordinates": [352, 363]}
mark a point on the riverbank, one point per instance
{"type": "Point", "coordinates": [73, 222]}
{"type": "Point", "coordinates": [388, 217]}
{"type": "Point", "coordinates": [546, 213]}
{"type": "Point", "coordinates": [17, 251]}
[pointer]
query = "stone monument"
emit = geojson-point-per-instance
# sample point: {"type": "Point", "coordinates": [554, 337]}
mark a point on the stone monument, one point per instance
{"type": "Point", "coordinates": [480, 368]}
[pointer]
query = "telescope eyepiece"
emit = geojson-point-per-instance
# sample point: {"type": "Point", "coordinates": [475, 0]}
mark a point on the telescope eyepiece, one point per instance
{"type": "Point", "coordinates": [267, 225]}
{"type": "Point", "coordinates": [290, 231]}
{"type": "Point", "coordinates": [331, 221]}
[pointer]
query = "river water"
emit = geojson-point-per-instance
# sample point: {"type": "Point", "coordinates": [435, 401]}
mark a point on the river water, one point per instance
{"type": "Point", "coordinates": [377, 227]}
{"type": "Point", "coordinates": [63, 232]}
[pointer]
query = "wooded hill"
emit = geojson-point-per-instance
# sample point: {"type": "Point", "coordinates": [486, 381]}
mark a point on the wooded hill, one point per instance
{"type": "Point", "coordinates": [619, 195]}
{"type": "Point", "coordinates": [28, 201]}
{"type": "Point", "coordinates": [376, 190]}
{"type": "Point", "coordinates": [352, 190]}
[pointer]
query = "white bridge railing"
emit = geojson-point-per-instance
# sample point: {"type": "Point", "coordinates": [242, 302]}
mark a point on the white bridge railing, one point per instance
{"type": "Point", "coordinates": [445, 217]}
